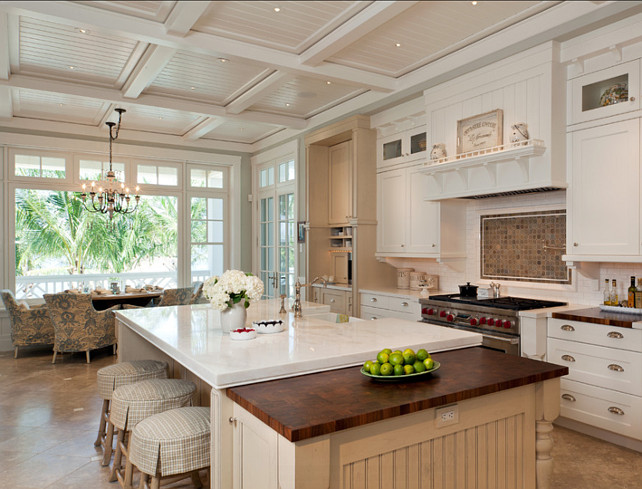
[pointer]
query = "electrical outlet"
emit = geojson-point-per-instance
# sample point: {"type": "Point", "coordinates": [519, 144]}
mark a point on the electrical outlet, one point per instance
{"type": "Point", "coordinates": [446, 415]}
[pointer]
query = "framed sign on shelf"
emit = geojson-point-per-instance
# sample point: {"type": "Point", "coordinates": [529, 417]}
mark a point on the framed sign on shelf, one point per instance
{"type": "Point", "coordinates": [480, 132]}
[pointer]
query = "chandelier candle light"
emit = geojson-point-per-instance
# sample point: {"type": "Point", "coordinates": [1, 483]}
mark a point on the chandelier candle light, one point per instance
{"type": "Point", "coordinates": [114, 197]}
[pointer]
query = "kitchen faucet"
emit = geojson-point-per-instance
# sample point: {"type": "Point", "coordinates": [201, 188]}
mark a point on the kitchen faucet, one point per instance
{"type": "Point", "coordinates": [296, 307]}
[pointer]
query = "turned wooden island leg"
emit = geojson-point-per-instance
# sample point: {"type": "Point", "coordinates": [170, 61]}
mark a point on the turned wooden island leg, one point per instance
{"type": "Point", "coordinates": [547, 409]}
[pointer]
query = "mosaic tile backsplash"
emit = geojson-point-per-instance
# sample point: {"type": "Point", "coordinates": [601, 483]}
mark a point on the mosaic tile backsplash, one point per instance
{"type": "Point", "coordinates": [525, 247]}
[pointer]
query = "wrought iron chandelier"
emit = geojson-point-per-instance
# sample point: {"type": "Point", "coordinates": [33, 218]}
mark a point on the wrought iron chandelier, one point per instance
{"type": "Point", "coordinates": [113, 197]}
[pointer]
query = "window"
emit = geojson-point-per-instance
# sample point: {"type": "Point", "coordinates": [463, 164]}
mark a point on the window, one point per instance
{"type": "Point", "coordinates": [207, 237]}
{"type": "Point", "coordinates": [201, 178]}
{"type": "Point", "coordinates": [286, 171]}
{"type": "Point", "coordinates": [266, 177]}
{"type": "Point", "coordinates": [39, 166]}
{"type": "Point", "coordinates": [156, 175]}
{"type": "Point", "coordinates": [96, 169]}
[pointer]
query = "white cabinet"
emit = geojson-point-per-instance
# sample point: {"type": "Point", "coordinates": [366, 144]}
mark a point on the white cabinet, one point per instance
{"type": "Point", "coordinates": [402, 147]}
{"type": "Point", "coordinates": [379, 305]}
{"type": "Point", "coordinates": [588, 95]}
{"type": "Point", "coordinates": [604, 195]}
{"type": "Point", "coordinates": [340, 301]}
{"type": "Point", "coordinates": [604, 385]}
{"type": "Point", "coordinates": [407, 224]}
{"type": "Point", "coordinates": [340, 183]}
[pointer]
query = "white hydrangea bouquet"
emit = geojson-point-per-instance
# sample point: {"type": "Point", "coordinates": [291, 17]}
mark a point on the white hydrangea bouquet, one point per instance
{"type": "Point", "coordinates": [231, 288]}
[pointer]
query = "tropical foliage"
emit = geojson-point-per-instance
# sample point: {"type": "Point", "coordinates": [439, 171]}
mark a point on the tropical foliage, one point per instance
{"type": "Point", "coordinates": [52, 227]}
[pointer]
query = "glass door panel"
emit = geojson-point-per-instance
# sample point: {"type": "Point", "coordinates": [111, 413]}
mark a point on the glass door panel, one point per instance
{"type": "Point", "coordinates": [266, 245]}
{"type": "Point", "coordinates": [207, 237]}
{"type": "Point", "coordinates": [287, 241]}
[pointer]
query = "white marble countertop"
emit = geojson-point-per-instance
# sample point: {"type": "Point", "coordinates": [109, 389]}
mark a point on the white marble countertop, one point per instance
{"type": "Point", "coordinates": [413, 295]}
{"type": "Point", "coordinates": [192, 336]}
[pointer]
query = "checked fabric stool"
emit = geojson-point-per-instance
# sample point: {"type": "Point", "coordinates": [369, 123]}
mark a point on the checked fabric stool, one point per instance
{"type": "Point", "coordinates": [112, 377]}
{"type": "Point", "coordinates": [175, 443]}
{"type": "Point", "coordinates": [131, 404]}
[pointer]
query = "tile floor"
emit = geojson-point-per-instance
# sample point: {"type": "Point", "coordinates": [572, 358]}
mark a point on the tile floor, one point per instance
{"type": "Point", "coordinates": [49, 419]}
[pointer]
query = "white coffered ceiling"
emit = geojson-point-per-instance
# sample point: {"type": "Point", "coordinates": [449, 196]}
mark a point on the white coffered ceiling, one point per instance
{"type": "Point", "coordinates": [240, 75]}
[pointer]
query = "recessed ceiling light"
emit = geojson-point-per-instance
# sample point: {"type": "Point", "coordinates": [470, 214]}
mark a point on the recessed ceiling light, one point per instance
{"type": "Point", "coordinates": [398, 44]}
{"type": "Point", "coordinates": [474, 2]}
{"type": "Point", "coordinates": [328, 82]}
{"type": "Point", "coordinates": [192, 88]}
{"type": "Point", "coordinates": [72, 67]}
{"type": "Point", "coordinates": [160, 117]}
{"type": "Point", "coordinates": [83, 31]}
{"type": "Point", "coordinates": [287, 105]}
{"type": "Point", "coordinates": [223, 60]}
{"type": "Point", "coordinates": [277, 9]}
{"type": "Point", "coordinates": [61, 105]}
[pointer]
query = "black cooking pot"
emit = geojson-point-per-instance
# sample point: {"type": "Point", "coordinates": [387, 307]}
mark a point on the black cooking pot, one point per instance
{"type": "Point", "coordinates": [468, 290]}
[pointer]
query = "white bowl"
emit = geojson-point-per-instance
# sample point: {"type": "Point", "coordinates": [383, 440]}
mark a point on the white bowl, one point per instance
{"type": "Point", "coordinates": [249, 334]}
{"type": "Point", "coordinates": [267, 326]}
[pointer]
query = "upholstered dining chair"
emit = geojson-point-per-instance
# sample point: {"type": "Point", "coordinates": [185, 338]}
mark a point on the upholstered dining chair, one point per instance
{"type": "Point", "coordinates": [176, 297]}
{"type": "Point", "coordinates": [197, 296]}
{"type": "Point", "coordinates": [30, 325]}
{"type": "Point", "coordinates": [78, 326]}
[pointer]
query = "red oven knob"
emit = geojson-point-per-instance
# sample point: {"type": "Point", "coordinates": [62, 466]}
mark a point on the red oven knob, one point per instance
{"type": "Point", "coordinates": [482, 320]}
{"type": "Point", "coordinates": [442, 314]}
{"type": "Point", "coordinates": [428, 312]}
{"type": "Point", "coordinates": [450, 318]}
{"type": "Point", "coordinates": [490, 321]}
{"type": "Point", "coordinates": [473, 321]}
{"type": "Point", "coordinates": [507, 324]}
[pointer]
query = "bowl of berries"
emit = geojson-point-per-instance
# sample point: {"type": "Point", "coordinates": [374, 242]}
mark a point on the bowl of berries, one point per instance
{"type": "Point", "coordinates": [267, 326]}
{"type": "Point", "coordinates": [243, 334]}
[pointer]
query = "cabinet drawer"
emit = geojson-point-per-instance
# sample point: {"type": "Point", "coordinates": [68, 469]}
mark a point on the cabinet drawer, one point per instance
{"type": "Point", "coordinates": [597, 334]}
{"type": "Point", "coordinates": [603, 408]}
{"type": "Point", "coordinates": [336, 300]}
{"type": "Point", "coordinates": [368, 312]}
{"type": "Point", "coordinates": [375, 300]}
{"type": "Point", "coordinates": [405, 305]}
{"type": "Point", "coordinates": [604, 367]}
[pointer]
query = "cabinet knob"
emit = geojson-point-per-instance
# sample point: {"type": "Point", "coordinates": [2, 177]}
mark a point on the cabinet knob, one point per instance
{"type": "Point", "coordinates": [615, 334]}
{"type": "Point", "coordinates": [615, 367]}
{"type": "Point", "coordinates": [434, 245]}
{"type": "Point", "coordinates": [568, 358]}
{"type": "Point", "coordinates": [632, 99]}
{"type": "Point", "coordinates": [568, 397]}
{"type": "Point", "coordinates": [567, 327]}
{"type": "Point", "coordinates": [331, 301]}
{"type": "Point", "coordinates": [373, 299]}
{"type": "Point", "coordinates": [233, 420]}
{"type": "Point", "coordinates": [616, 410]}
{"type": "Point", "coordinates": [402, 245]}
{"type": "Point", "coordinates": [373, 318]}
{"type": "Point", "coordinates": [575, 244]}
{"type": "Point", "coordinates": [404, 304]}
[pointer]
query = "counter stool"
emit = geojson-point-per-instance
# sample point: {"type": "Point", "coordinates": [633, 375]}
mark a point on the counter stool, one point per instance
{"type": "Point", "coordinates": [174, 443]}
{"type": "Point", "coordinates": [112, 377]}
{"type": "Point", "coordinates": [130, 404]}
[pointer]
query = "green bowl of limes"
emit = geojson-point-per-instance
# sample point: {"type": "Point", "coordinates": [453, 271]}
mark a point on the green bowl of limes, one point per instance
{"type": "Point", "coordinates": [399, 366]}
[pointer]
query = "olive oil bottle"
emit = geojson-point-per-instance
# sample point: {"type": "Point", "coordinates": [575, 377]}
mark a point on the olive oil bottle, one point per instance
{"type": "Point", "coordinates": [615, 300]}
{"type": "Point", "coordinates": [631, 293]}
{"type": "Point", "coordinates": [607, 292]}
{"type": "Point", "coordinates": [638, 295]}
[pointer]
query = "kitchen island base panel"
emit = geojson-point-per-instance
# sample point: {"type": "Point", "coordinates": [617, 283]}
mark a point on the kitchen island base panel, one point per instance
{"type": "Point", "coordinates": [498, 442]}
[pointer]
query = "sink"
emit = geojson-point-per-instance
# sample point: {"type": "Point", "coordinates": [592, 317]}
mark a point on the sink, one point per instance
{"type": "Point", "coordinates": [333, 317]}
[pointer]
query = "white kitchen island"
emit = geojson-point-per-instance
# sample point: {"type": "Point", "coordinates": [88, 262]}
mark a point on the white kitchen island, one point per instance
{"type": "Point", "coordinates": [190, 339]}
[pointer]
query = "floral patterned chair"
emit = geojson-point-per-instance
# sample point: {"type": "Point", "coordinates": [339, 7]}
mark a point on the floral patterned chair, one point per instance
{"type": "Point", "coordinates": [176, 297]}
{"type": "Point", "coordinates": [78, 326]}
{"type": "Point", "coordinates": [30, 325]}
{"type": "Point", "coordinates": [197, 296]}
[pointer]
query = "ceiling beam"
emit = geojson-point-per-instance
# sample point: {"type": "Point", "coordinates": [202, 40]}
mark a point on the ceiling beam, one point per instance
{"type": "Point", "coordinates": [150, 65]}
{"type": "Point", "coordinates": [373, 16]}
{"type": "Point", "coordinates": [6, 105]}
{"type": "Point", "coordinates": [164, 101]}
{"type": "Point", "coordinates": [202, 128]}
{"type": "Point", "coordinates": [5, 63]}
{"type": "Point", "coordinates": [257, 92]}
{"type": "Point", "coordinates": [183, 17]}
{"type": "Point", "coordinates": [114, 23]}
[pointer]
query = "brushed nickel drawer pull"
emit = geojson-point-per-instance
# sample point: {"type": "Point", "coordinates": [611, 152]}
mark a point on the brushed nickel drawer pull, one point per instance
{"type": "Point", "coordinates": [567, 327]}
{"type": "Point", "coordinates": [373, 299]}
{"type": "Point", "coordinates": [615, 334]}
{"type": "Point", "coordinates": [331, 301]}
{"type": "Point", "coordinates": [568, 397]}
{"type": "Point", "coordinates": [233, 420]}
{"type": "Point", "coordinates": [568, 358]}
{"type": "Point", "coordinates": [616, 410]}
{"type": "Point", "coordinates": [615, 367]}
{"type": "Point", "coordinates": [404, 304]}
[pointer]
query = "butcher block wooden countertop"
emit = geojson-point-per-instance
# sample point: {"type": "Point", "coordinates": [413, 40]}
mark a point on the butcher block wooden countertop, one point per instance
{"type": "Point", "coordinates": [597, 316]}
{"type": "Point", "coordinates": [317, 404]}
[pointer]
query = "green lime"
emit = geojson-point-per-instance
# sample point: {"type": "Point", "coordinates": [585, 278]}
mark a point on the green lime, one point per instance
{"type": "Point", "coordinates": [375, 369]}
{"type": "Point", "coordinates": [408, 369]}
{"type": "Point", "coordinates": [429, 363]}
{"type": "Point", "coordinates": [387, 350]}
{"type": "Point", "coordinates": [398, 370]}
{"type": "Point", "coordinates": [386, 369]}
{"type": "Point", "coordinates": [367, 365]}
{"type": "Point", "coordinates": [409, 357]}
{"type": "Point", "coordinates": [398, 351]}
{"type": "Point", "coordinates": [396, 359]}
{"type": "Point", "coordinates": [422, 354]}
{"type": "Point", "coordinates": [419, 366]}
{"type": "Point", "coordinates": [382, 357]}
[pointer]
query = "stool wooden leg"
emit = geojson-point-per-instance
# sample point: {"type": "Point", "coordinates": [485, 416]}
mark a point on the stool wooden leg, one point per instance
{"type": "Point", "coordinates": [118, 455]}
{"type": "Point", "coordinates": [155, 484]}
{"type": "Point", "coordinates": [143, 480]}
{"type": "Point", "coordinates": [53, 360]}
{"type": "Point", "coordinates": [15, 354]}
{"type": "Point", "coordinates": [196, 480]}
{"type": "Point", "coordinates": [109, 443]}
{"type": "Point", "coordinates": [103, 422]}
{"type": "Point", "coordinates": [88, 357]}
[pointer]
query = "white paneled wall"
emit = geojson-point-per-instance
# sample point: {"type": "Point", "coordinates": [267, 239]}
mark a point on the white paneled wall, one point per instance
{"type": "Point", "coordinates": [584, 289]}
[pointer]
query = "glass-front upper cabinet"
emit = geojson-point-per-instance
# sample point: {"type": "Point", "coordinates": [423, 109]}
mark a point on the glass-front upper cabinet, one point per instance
{"type": "Point", "coordinates": [604, 93]}
{"type": "Point", "coordinates": [401, 147]}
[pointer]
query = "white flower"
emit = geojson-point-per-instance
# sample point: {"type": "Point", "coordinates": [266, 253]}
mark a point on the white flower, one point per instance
{"type": "Point", "coordinates": [232, 287]}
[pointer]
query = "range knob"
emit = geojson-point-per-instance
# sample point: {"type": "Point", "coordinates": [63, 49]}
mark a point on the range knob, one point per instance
{"type": "Point", "coordinates": [450, 318]}
{"type": "Point", "coordinates": [508, 324]}
{"type": "Point", "coordinates": [442, 314]}
{"type": "Point", "coordinates": [474, 321]}
{"type": "Point", "coordinates": [428, 311]}
{"type": "Point", "coordinates": [483, 320]}
{"type": "Point", "coordinates": [490, 321]}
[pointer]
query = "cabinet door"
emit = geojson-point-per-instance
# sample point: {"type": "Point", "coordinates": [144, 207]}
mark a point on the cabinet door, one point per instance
{"type": "Point", "coordinates": [391, 211]}
{"type": "Point", "coordinates": [336, 299]}
{"type": "Point", "coordinates": [604, 209]}
{"type": "Point", "coordinates": [605, 93]}
{"type": "Point", "coordinates": [422, 231]}
{"type": "Point", "coordinates": [340, 183]}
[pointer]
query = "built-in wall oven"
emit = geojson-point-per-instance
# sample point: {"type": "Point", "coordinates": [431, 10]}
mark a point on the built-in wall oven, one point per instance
{"type": "Point", "coordinates": [497, 319]}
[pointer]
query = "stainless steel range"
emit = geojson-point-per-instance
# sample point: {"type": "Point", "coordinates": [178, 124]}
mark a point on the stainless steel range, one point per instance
{"type": "Point", "coordinates": [497, 319]}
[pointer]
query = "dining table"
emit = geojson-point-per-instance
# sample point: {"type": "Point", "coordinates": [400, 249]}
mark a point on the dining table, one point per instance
{"type": "Point", "coordinates": [108, 299]}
